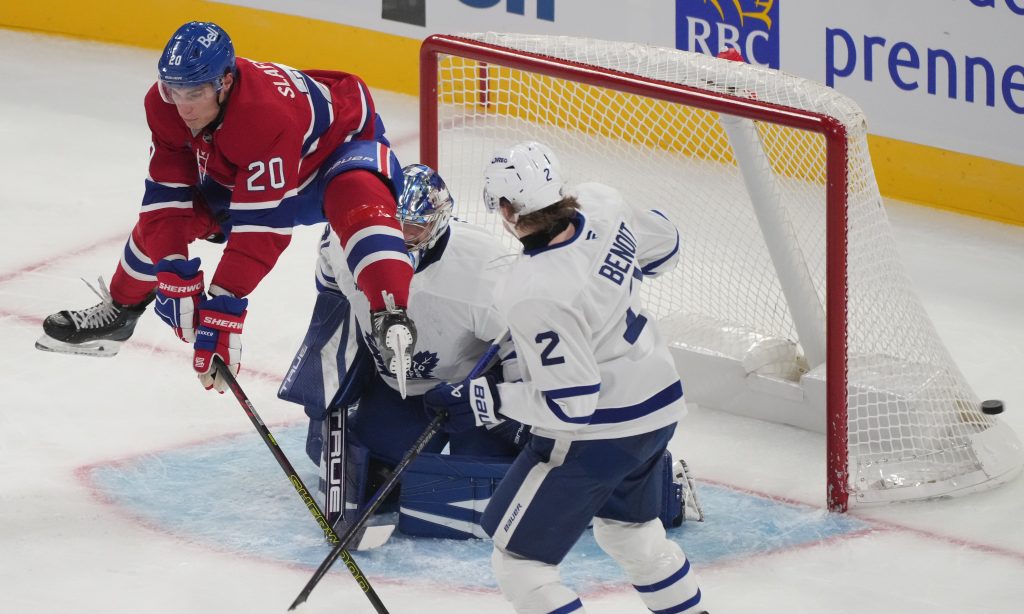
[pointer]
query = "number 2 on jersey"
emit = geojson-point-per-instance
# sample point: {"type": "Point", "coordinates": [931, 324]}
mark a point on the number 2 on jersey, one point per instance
{"type": "Point", "coordinates": [546, 359]}
{"type": "Point", "coordinates": [635, 324]}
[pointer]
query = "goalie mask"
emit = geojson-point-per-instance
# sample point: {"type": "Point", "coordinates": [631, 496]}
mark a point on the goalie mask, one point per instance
{"type": "Point", "coordinates": [424, 207]}
{"type": "Point", "coordinates": [528, 175]}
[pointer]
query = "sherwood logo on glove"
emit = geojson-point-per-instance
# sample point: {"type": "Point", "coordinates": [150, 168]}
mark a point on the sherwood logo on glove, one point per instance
{"type": "Point", "coordinates": [188, 290]}
{"type": "Point", "coordinates": [222, 323]}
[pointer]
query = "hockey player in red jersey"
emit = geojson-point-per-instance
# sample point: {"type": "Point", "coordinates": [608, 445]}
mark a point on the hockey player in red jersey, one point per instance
{"type": "Point", "coordinates": [243, 151]}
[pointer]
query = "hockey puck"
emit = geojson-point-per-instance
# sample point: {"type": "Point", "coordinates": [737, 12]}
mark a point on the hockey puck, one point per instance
{"type": "Point", "coordinates": [992, 407]}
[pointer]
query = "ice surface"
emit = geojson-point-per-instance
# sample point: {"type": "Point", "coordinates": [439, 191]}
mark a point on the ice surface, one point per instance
{"type": "Point", "coordinates": [126, 488]}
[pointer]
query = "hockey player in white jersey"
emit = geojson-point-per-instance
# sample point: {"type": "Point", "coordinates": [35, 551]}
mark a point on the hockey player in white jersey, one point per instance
{"type": "Point", "coordinates": [455, 274]}
{"type": "Point", "coordinates": [599, 389]}
{"type": "Point", "coordinates": [340, 364]}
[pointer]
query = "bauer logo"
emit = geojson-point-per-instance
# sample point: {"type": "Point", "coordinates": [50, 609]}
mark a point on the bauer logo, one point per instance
{"type": "Point", "coordinates": [750, 26]}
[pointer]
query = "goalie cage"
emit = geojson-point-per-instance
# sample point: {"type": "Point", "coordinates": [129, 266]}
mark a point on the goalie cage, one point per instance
{"type": "Point", "coordinates": [790, 303]}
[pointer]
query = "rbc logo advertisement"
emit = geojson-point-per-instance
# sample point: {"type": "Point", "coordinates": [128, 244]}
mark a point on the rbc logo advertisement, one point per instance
{"type": "Point", "coordinates": [751, 26]}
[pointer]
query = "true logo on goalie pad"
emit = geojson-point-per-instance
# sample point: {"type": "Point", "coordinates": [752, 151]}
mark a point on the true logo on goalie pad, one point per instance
{"type": "Point", "coordinates": [335, 468]}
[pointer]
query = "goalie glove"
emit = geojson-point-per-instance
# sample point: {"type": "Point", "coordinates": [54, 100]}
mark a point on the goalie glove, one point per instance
{"type": "Point", "coordinates": [179, 290]}
{"type": "Point", "coordinates": [395, 335]}
{"type": "Point", "coordinates": [219, 334]}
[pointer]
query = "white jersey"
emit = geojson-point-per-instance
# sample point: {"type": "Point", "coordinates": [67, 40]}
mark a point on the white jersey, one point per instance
{"type": "Point", "coordinates": [450, 302]}
{"type": "Point", "coordinates": [594, 365]}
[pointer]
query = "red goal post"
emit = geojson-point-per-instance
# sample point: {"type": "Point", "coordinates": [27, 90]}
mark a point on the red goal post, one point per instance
{"type": "Point", "coordinates": [771, 325]}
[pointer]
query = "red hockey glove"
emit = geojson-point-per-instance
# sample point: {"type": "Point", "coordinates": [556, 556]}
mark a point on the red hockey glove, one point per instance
{"type": "Point", "coordinates": [219, 334]}
{"type": "Point", "coordinates": [179, 289]}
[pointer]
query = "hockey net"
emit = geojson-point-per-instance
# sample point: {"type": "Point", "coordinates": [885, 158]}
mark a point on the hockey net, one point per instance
{"type": "Point", "coordinates": [790, 303]}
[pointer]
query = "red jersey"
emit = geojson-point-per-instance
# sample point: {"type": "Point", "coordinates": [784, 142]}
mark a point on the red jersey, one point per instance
{"type": "Point", "coordinates": [276, 129]}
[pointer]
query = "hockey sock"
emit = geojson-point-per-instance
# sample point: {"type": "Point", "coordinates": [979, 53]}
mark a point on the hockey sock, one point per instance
{"type": "Point", "coordinates": [655, 565]}
{"type": "Point", "coordinates": [533, 587]}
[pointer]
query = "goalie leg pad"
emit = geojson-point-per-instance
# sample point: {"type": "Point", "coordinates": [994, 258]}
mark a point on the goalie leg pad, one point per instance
{"type": "Point", "coordinates": [655, 565]}
{"type": "Point", "coordinates": [445, 495]}
{"type": "Point", "coordinates": [389, 425]}
{"type": "Point", "coordinates": [344, 470]}
{"type": "Point", "coordinates": [331, 366]}
{"type": "Point", "coordinates": [531, 586]}
{"type": "Point", "coordinates": [315, 440]}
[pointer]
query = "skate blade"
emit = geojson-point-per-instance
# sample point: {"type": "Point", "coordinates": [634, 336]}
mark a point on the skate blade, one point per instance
{"type": "Point", "coordinates": [102, 348]}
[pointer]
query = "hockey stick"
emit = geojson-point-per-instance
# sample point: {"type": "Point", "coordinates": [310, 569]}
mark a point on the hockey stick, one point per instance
{"type": "Point", "coordinates": [482, 365]}
{"type": "Point", "coordinates": [293, 477]}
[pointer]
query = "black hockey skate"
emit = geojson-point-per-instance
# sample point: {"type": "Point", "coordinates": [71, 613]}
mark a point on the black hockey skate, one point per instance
{"type": "Point", "coordinates": [95, 331]}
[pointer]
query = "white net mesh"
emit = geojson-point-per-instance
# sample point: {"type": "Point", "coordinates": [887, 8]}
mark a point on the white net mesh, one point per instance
{"type": "Point", "coordinates": [914, 427]}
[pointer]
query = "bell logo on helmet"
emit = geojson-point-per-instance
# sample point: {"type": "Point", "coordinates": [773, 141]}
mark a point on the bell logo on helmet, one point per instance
{"type": "Point", "coordinates": [210, 38]}
{"type": "Point", "coordinates": [197, 53]}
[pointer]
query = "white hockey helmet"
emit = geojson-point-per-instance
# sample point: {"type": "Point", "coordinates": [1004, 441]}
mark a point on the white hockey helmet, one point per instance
{"type": "Point", "coordinates": [528, 175]}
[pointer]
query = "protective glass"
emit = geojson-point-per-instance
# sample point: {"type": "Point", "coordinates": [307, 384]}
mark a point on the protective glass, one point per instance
{"type": "Point", "coordinates": [192, 93]}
